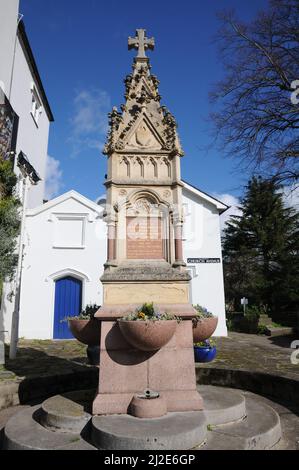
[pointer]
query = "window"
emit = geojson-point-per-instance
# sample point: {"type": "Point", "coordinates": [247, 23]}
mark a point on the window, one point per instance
{"type": "Point", "coordinates": [36, 106]}
{"type": "Point", "coordinates": [69, 231]}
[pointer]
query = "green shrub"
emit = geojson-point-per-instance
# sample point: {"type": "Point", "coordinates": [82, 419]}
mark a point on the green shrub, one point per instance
{"type": "Point", "coordinates": [262, 330]}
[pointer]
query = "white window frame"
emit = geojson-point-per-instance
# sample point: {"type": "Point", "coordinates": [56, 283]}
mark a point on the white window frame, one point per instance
{"type": "Point", "coordinates": [57, 218]}
{"type": "Point", "coordinates": [36, 104]}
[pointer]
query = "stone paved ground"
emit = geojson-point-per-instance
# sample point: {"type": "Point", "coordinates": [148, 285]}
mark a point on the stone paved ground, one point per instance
{"type": "Point", "coordinates": [256, 352]}
{"type": "Point", "coordinates": [238, 350]}
{"type": "Point", "coordinates": [44, 358]}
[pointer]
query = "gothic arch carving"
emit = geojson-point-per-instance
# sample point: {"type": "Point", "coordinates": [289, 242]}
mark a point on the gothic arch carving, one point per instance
{"type": "Point", "coordinates": [152, 168]}
{"type": "Point", "coordinates": [165, 168]}
{"type": "Point", "coordinates": [141, 167]}
{"type": "Point", "coordinates": [125, 167]}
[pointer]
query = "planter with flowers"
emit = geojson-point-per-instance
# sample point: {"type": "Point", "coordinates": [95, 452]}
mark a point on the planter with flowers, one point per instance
{"type": "Point", "coordinates": [205, 351]}
{"type": "Point", "coordinates": [204, 324]}
{"type": "Point", "coordinates": [148, 329]}
{"type": "Point", "coordinates": [85, 327]}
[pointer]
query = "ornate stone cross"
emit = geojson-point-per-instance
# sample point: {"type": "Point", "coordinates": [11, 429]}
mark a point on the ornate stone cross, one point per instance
{"type": "Point", "coordinates": [141, 42]}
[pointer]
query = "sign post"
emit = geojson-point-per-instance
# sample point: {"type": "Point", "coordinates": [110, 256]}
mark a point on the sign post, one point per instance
{"type": "Point", "coordinates": [244, 302]}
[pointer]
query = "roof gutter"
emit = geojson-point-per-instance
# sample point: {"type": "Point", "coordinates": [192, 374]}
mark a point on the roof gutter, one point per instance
{"type": "Point", "coordinates": [33, 67]}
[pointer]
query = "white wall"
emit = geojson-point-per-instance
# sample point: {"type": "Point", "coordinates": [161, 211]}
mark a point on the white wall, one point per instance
{"type": "Point", "coordinates": [8, 26]}
{"type": "Point", "coordinates": [203, 240]}
{"type": "Point", "coordinates": [43, 264]}
{"type": "Point", "coordinates": [32, 139]}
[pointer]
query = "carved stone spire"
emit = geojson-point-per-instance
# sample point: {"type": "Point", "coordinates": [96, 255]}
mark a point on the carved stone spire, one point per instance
{"type": "Point", "coordinates": [142, 112]}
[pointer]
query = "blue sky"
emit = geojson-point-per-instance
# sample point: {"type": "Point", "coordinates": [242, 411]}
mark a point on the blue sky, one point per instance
{"type": "Point", "coordinates": [81, 52]}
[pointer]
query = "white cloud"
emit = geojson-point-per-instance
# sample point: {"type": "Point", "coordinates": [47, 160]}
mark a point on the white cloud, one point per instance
{"type": "Point", "coordinates": [291, 196]}
{"type": "Point", "coordinates": [53, 178]}
{"type": "Point", "coordinates": [89, 123]}
{"type": "Point", "coordinates": [234, 204]}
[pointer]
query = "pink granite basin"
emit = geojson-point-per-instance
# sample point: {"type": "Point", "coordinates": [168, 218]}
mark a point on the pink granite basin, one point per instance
{"type": "Point", "coordinates": [148, 335]}
{"type": "Point", "coordinates": [86, 331]}
{"type": "Point", "coordinates": [204, 329]}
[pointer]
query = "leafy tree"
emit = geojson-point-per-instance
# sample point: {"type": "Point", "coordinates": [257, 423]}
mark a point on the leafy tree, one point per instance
{"type": "Point", "coordinates": [260, 249]}
{"type": "Point", "coordinates": [9, 220]}
{"type": "Point", "coordinates": [257, 116]}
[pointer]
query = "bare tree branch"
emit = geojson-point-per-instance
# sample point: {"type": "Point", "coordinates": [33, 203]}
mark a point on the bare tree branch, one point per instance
{"type": "Point", "coordinates": [256, 120]}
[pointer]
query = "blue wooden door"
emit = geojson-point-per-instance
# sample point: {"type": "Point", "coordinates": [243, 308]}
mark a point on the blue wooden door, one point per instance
{"type": "Point", "coordinates": [68, 303]}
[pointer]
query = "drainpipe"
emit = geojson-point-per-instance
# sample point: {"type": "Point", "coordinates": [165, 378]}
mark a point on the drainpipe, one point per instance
{"type": "Point", "coordinates": [14, 338]}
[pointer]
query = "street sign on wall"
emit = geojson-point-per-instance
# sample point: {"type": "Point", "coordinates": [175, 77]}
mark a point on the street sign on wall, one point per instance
{"type": "Point", "coordinates": [203, 260]}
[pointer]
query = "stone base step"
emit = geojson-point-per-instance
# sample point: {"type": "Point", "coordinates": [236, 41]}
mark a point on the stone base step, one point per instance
{"type": "Point", "coordinates": [249, 424]}
{"type": "Point", "coordinates": [222, 408]}
{"type": "Point", "coordinates": [265, 320]}
{"type": "Point", "coordinates": [24, 432]}
{"type": "Point", "coordinates": [65, 413]}
{"type": "Point", "coordinates": [279, 331]}
{"type": "Point", "coordinates": [259, 430]}
{"type": "Point", "coordinates": [174, 431]}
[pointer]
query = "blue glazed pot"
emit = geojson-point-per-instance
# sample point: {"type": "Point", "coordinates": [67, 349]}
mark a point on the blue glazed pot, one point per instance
{"type": "Point", "coordinates": [204, 354]}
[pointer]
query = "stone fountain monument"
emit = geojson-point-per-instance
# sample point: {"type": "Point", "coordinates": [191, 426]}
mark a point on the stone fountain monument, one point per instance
{"type": "Point", "coordinates": [147, 396]}
{"type": "Point", "coordinates": [145, 259]}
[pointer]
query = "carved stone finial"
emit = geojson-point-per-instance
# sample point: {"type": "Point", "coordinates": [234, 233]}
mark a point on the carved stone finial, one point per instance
{"type": "Point", "coordinates": [141, 42]}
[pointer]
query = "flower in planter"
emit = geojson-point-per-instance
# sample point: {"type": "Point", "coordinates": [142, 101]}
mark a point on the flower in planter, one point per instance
{"type": "Point", "coordinates": [147, 312]}
{"type": "Point", "coordinates": [85, 327]}
{"type": "Point", "coordinates": [204, 324]}
{"type": "Point", "coordinates": [145, 329]}
{"type": "Point", "coordinates": [87, 314]}
{"type": "Point", "coordinates": [207, 343]}
{"type": "Point", "coordinates": [201, 314]}
{"type": "Point", "coordinates": [205, 351]}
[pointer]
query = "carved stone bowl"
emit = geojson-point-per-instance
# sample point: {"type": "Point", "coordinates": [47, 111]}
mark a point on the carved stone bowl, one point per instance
{"type": "Point", "coordinates": [204, 329]}
{"type": "Point", "coordinates": [147, 335]}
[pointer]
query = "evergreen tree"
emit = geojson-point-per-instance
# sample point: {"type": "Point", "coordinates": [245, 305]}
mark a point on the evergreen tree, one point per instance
{"type": "Point", "coordinates": [9, 220]}
{"type": "Point", "coordinates": [260, 250]}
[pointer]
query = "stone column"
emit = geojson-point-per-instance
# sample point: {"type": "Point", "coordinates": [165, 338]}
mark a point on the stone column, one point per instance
{"type": "Point", "coordinates": [178, 242]}
{"type": "Point", "coordinates": [111, 239]}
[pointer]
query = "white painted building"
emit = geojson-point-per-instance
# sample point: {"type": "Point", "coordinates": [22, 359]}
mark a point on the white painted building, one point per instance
{"type": "Point", "coordinates": [65, 238]}
{"type": "Point", "coordinates": [25, 118]}
{"type": "Point", "coordinates": [65, 250]}
{"type": "Point", "coordinates": [202, 251]}
{"type": "Point", "coordinates": [22, 89]}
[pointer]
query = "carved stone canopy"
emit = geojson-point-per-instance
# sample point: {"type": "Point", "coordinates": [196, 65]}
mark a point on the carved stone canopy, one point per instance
{"type": "Point", "coordinates": [142, 124]}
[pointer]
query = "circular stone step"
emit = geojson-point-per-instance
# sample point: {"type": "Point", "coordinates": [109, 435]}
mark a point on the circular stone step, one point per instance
{"type": "Point", "coordinates": [63, 413]}
{"type": "Point", "coordinates": [179, 431]}
{"type": "Point", "coordinates": [260, 430]}
{"type": "Point", "coordinates": [24, 432]}
{"type": "Point", "coordinates": [222, 405]}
